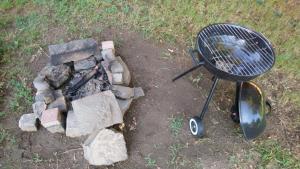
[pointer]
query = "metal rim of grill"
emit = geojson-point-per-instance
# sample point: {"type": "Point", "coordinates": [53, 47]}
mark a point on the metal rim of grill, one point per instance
{"type": "Point", "coordinates": [235, 50]}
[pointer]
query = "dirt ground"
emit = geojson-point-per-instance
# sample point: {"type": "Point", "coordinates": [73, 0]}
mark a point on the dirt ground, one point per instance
{"type": "Point", "coordinates": [147, 130]}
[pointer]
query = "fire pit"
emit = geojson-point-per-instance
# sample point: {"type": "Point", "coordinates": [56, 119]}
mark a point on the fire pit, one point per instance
{"type": "Point", "coordinates": [235, 53]}
{"type": "Point", "coordinates": [84, 91]}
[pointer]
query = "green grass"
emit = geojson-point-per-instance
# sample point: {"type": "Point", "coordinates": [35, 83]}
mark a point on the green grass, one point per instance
{"type": "Point", "coordinates": [22, 96]}
{"type": "Point", "coordinates": [150, 162]}
{"type": "Point", "coordinates": [176, 124]}
{"type": "Point", "coordinates": [271, 151]}
{"type": "Point", "coordinates": [174, 151]}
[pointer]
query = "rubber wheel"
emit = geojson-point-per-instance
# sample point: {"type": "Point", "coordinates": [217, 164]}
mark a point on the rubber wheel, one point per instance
{"type": "Point", "coordinates": [196, 127]}
{"type": "Point", "coordinates": [234, 115]}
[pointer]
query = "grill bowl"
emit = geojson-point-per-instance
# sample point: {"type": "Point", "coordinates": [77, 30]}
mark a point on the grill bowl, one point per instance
{"type": "Point", "coordinates": [234, 52]}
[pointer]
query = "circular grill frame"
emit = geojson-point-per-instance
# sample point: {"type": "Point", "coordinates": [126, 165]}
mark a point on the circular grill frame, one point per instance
{"type": "Point", "coordinates": [227, 75]}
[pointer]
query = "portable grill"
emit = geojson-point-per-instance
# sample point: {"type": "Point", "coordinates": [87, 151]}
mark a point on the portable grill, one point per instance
{"type": "Point", "coordinates": [234, 53]}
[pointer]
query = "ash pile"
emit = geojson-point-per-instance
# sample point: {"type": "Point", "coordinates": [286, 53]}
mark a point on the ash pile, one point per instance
{"type": "Point", "coordinates": [84, 91]}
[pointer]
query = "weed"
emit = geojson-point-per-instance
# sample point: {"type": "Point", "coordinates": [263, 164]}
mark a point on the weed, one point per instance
{"type": "Point", "coordinates": [3, 135]}
{"type": "Point", "coordinates": [174, 150]}
{"type": "Point", "coordinates": [176, 125]}
{"type": "Point", "coordinates": [6, 4]}
{"type": "Point", "coordinates": [150, 162]}
{"type": "Point", "coordinates": [271, 151]}
{"type": "Point", "coordinates": [36, 158]}
{"type": "Point", "coordinates": [21, 96]}
{"type": "Point", "coordinates": [2, 114]}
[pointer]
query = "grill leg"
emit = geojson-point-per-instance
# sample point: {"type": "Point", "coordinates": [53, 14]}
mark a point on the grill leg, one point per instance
{"type": "Point", "coordinates": [211, 92]}
{"type": "Point", "coordinates": [235, 108]}
{"type": "Point", "coordinates": [188, 71]}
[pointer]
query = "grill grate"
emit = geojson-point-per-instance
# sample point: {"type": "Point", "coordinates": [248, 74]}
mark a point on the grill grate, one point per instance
{"type": "Point", "coordinates": [236, 50]}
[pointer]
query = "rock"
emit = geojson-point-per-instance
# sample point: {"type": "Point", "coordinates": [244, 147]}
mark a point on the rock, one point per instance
{"type": "Point", "coordinates": [72, 51]}
{"type": "Point", "coordinates": [52, 120]}
{"type": "Point", "coordinates": [107, 45]}
{"type": "Point", "coordinates": [117, 78]}
{"type": "Point", "coordinates": [105, 148]}
{"type": "Point", "coordinates": [27, 122]}
{"type": "Point", "coordinates": [84, 64]}
{"type": "Point", "coordinates": [38, 108]}
{"type": "Point", "coordinates": [44, 96]}
{"type": "Point", "coordinates": [98, 57]}
{"type": "Point", "coordinates": [124, 105]}
{"type": "Point", "coordinates": [138, 92]}
{"type": "Point", "coordinates": [40, 84]}
{"type": "Point", "coordinates": [97, 111]}
{"type": "Point", "coordinates": [116, 67]}
{"type": "Point", "coordinates": [108, 55]}
{"type": "Point", "coordinates": [57, 93]}
{"type": "Point", "coordinates": [72, 128]}
{"type": "Point", "coordinates": [59, 103]}
{"type": "Point", "coordinates": [126, 73]}
{"type": "Point", "coordinates": [105, 65]}
{"type": "Point", "coordinates": [122, 92]}
{"type": "Point", "coordinates": [56, 75]}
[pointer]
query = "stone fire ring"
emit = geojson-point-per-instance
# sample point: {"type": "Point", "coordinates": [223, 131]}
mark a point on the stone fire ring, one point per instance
{"type": "Point", "coordinates": [84, 91]}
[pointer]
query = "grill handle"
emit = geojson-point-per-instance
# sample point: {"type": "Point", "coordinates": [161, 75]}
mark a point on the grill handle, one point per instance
{"type": "Point", "coordinates": [195, 56]}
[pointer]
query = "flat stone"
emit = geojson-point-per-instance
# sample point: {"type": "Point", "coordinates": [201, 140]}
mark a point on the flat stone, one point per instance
{"type": "Point", "coordinates": [105, 65]}
{"type": "Point", "coordinates": [38, 108]}
{"type": "Point", "coordinates": [105, 148]}
{"type": "Point", "coordinates": [27, 122]}
{"type": "Point", "coordinates": [72, 51]}
{"type": "Point", "coordinates": [44, 96]}
{"type": "Point", "coordinates": [40, 84]}
{"type": "Point", "coordinates": [72, 128]}
{"type": "Point", "coordinates": [124, 104]}
{"type": "Point", "coordinates": [117, 78]}
{"type": "Point", "coordinates": [108, 54]}
{"type": "Point", "coordinates": [59, 103]}
{"type": "Point", "coordinates": [84, 64]}
{"type": "Point", "coordinates": [138, 92]}
{"type": "Point", "coordinates": [107, 45]}
{"type": "Point", "coordinates": [122, 92]}
{"type": "Point", "coordinates": [126, 73]}
{"type": "Point", "coordinates": [97, 111]}
{"type": "Point", "coordinates": [56, 75]}
{"type": "Point", "coordinates": [116, 67]}
{"type": "Point", "coordinates": [58, 93]}
{"type": "Point", "coordinates": [52, 120]}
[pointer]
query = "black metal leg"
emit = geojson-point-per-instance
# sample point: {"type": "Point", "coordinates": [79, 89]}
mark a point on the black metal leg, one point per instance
{"type": "Point", "coordinates": [188, 71]}
{"type": "Point", "coordinates": [211, 92]}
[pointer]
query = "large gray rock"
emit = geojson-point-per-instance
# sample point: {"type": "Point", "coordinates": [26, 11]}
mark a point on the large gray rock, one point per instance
{"type": "Point", "coordinates": [59, 103]}
{"type": "Point", "coordinates": [138, 92]}
{"type": "Point", "coordinates": [122, 92]}
{"type": "Point", "coordinates": [56, 75]}
{"type": "Point", "coordinates": [27, 122]}
{"type": "Point", "coordinates": [72, 127]}
{"type": "Point", "coordinates": [108, 54]}
{"type": "Point", "coordinates": [116, 67]}
{"type": "Point", "coordinates": [44, 96]}
{"type": "Point", "coordinates": [72, 51]}
{"type": "Point", "coordinates": [105, 148]}
{"type": "Point", "coordinates": [38, 108]}
{"type": "Point", "coordinates": [126, 74]}
{"type": "Point", "coordinates": [97, 111]}
{"type": "Point", "coordinates": [117, 78]}
{"type": "Point", "coordinates": [124, 105]}
{"type": "Point", "coordinates": [40, 84]}
{"type": "Point", "coordinates": [52, 120]}
{"type": "Point", "coordinates": [84, 64]}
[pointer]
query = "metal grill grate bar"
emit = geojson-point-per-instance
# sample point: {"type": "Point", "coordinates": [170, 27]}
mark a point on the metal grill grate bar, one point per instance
{"type": "Point", "coordinates": [252, 67]}
{"type": "Point", "coordinates": [246, 70]}
{"type": "Point", "coordinates": [266, 55]}
{"type": "Point", "coordinates": [224, 59]}
{"type": "Point", "coordinates": [262, 67]}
